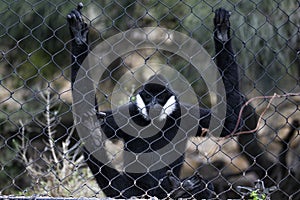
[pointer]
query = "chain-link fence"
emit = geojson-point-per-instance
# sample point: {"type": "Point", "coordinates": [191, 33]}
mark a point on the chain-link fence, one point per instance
{"type": "Point", "coordinates": [42, 45]}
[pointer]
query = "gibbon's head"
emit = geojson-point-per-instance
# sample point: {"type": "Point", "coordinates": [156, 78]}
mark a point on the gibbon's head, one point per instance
{"type": "Point", "coordinates": [155, 100]}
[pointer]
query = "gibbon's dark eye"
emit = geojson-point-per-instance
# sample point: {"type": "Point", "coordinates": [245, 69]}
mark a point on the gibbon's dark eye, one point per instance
{"type": "Point", "coordinates": [147, 96]}
{"type": "Point", "coordinates": [163, 96]}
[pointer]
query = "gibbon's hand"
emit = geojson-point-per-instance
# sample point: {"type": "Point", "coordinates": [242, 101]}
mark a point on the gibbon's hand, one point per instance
{"type": "Point", "coordinates": [194, 186]}
{"type": "Point", "coordinates": [222, 24]}
{"type": "Point", "coordinates": [78, 28]}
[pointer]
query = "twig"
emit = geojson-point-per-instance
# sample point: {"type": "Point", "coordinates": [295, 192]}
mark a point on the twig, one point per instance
{"type": "Point", "coordinates": [261, 115]}
{"type": "Point", "coordinates": [49, 121]}
{"type": "Point", "coordinates": [67, 173]}
{"type": "Point", "coordinates": [28, 162]}
{"type": "Point", "coordinates": [23, 143]}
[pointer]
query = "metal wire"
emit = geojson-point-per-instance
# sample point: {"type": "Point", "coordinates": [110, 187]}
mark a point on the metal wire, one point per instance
{"type": "Point", "coordinates": [39, 147]}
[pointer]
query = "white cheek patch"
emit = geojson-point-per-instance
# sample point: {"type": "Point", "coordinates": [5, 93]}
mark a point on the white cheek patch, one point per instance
{"type": "Point", "coordinates": [168, 108]}
{"type": "Point", "coordinates": [141, 105]}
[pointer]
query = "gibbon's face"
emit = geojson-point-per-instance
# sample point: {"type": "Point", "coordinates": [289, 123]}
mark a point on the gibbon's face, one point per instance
{"type": "Point", "coordinates": [155, 101]}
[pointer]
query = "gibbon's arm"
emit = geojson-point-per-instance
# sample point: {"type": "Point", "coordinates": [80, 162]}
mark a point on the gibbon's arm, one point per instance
{"type": "Point", "coordinates": [79, 49]}
{"type": "Point", "coordinates": [110, 180]}
{"type": "Point", "coordinates": [79, 35]}
{"type": "Point", "coordinates": [228, 69]}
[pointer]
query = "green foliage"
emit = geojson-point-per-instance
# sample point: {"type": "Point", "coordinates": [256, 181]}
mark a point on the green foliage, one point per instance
{"type": "Point", "coordinates": [33, 38]}
{"type": "Point", "coordinates": [267, 44]}
{"type": "Point", "coordinates": [255, 196]}
{"type": "Point", "coordinates": [10, 169]}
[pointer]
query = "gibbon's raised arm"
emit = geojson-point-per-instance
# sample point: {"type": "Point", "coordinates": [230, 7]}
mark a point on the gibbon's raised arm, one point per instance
{"type": "Point", "coordinates": [79, 35]}
{"type": "Point", "coordinates": [228, 69]}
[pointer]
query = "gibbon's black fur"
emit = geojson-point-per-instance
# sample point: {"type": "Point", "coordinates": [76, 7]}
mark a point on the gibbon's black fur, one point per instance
{"type": "Point", "coordinates": [155, 94]}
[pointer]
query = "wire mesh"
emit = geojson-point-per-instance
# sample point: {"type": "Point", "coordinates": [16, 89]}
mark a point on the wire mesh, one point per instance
{"type": "Point", "coordinates": [41, 151]}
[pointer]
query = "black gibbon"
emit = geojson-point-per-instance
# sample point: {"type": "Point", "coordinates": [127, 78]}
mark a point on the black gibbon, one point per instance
{"type": "Point", "coordinates": [155, 95]}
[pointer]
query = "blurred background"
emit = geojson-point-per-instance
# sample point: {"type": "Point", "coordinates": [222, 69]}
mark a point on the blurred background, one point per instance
{"type": "Point", "coordinates": [39, 154]}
